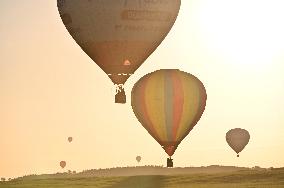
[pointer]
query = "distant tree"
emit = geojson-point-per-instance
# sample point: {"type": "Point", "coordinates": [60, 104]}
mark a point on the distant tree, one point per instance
{"type": "Point", "coordinates": [74, 172]}
{"type": "Point", "coordinates": [9, 179]}
{"type": "Point", "coordinates": [256, 167]}
{"type": "Point", "coordinates": [69, 172]}
{"type": "Point", "coordinates": [3, 179]}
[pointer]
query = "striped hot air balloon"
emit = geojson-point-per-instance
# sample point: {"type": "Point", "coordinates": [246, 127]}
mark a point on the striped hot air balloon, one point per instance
{"type": "Point", "coordinates": [168, 104]}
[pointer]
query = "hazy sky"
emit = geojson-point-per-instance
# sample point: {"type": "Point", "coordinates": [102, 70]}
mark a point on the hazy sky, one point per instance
{"type": "Point", "coordinates": [50, 89]}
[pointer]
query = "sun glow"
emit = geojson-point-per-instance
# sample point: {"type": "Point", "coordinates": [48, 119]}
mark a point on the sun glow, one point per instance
{"type": "Point", "coordinates": [247, 33]}
{"type": "Point", "coordinates": [50, 90]}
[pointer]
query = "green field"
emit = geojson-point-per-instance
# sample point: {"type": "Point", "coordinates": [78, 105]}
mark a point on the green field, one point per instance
{"type": "Point", "coordinates": [238, 179]}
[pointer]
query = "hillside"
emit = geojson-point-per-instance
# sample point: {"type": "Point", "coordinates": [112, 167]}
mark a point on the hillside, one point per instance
{"type": "Point", "coordinates": [156, 177]}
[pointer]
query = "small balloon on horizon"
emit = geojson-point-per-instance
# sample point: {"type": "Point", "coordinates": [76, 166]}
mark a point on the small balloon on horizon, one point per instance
{"type": "Point", "coordinates": [237, 139]}
{"type": "Point", "coordinates": [138, 158]}
{"type": "Point", "coordinates": [62, 164]}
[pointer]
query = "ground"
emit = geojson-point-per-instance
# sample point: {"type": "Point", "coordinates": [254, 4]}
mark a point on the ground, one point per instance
{"type": "Point", "coordinates": [213, 177]}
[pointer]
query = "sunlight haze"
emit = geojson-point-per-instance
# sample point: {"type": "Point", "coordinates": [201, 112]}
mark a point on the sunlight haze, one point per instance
{"type": "Point", "coordinates": [50, 90]}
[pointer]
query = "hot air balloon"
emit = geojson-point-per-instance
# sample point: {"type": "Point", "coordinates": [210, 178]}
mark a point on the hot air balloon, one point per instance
{"type": "Point", "coordinates": [62, 164]}
{"type": "Point", "coordinates": [237, 139]}
{"type": "Point", "coordinates": [118, 35]}
{"type": "Point", "coordinates": [70, 139]}
{"type": "Point", "coordinates": [138, 159]}
{"type": "Point", "coordinates": [168, 103]}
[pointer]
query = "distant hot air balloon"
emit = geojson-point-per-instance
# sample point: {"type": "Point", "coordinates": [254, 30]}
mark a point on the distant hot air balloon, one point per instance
{"type": "Point", "coordinates": [62, 164]}
{"type": "Point", "coordinates": [138, 159]}
{"type": "Point", "coordinates": [70, 139]}
{"type": "Point", "coordinates": [237, 139]}
{"type": "Point", "coordinates": [118, 35]}
{"type": "Point", "coordinates": [168, 104]}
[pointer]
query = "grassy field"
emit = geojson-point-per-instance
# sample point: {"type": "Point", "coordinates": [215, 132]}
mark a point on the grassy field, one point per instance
{"type": "Point", "coordinates": [237, 179]}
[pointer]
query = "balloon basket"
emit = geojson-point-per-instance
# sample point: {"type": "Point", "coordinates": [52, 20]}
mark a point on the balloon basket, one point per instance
{"type": "Point", "coordinates": [170, 163]}
{"type": "Point", "coordinates": [120, 96]}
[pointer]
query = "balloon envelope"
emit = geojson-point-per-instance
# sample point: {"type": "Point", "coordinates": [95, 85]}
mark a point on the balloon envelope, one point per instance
{"type": "Point", "coordinates": [138, 159]}
{"type": "Point", "coordinates": [62, 164]}
{"type": "Point", "coordinates": [237, 139]}
{"type": "Point", "coordinates": [70, 139]}
{"type": "Point", "coordinates": [168, 104]}
{"type": "Point", "coordinates": [118, 35]}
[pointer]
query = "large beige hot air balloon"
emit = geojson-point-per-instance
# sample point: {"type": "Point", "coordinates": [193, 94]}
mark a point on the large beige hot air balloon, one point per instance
{"type": "Point", "coordinates": [168, 104]}
{"type": "Point", "coordinates": [118, 35]}
{"type": "Point", "coordinates": [237, 139]}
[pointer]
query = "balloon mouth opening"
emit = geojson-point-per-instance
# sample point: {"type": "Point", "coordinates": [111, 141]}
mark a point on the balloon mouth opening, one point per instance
{"type": "Point", "coordinates": [170, 149]}
{"type": "Point", "coordinates": [120, 97]}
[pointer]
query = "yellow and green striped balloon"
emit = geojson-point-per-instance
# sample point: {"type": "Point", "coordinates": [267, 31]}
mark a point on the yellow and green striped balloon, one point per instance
{"type": "Point", "coordinates": [168, 103]}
